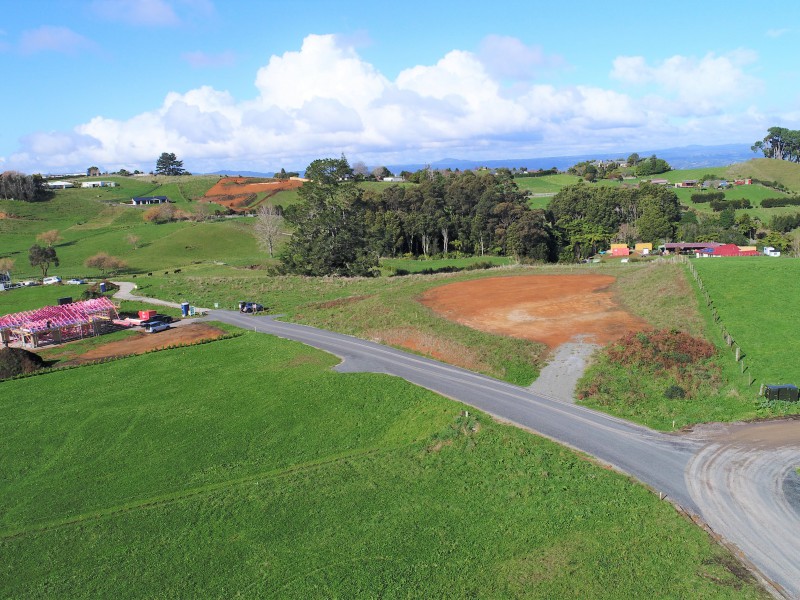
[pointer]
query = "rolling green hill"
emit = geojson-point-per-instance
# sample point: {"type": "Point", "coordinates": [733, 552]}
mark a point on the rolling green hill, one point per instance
{"type": "Point", "coordinates": [766, 169]}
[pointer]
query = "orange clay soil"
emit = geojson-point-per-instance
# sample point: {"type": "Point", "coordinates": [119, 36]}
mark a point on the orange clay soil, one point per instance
{"type": "Point", "coordinates": [551, 309]}
{"type": "Point", "coordinates": [233, 192]}
{"type": "Point", "coordinates": [142, 342]}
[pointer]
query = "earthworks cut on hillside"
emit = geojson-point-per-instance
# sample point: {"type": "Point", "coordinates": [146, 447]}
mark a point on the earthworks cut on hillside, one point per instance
{"type": "Point", "coordinates": [552, 309]}
{"type": "Point", "coordinates": [240, 193]}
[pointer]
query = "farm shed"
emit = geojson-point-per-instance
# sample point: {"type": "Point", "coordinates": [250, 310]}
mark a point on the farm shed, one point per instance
{"type": "Point", "coordinates": [144, 200]}
{"type": "Point", "coordinates": [60, 185]}
{"type": "Point", "coordinates": [729, 250]}
{"type": "Point", "coordinates": [643, 248]}
{"type": "Point", "coordinates": [688, 247]}
{"type": "Point", "coordinates": [689, 183]}
{"type": "Point", "coordinates": [55, 324]}
{"type": "Point", "coordinates": [620, 250]}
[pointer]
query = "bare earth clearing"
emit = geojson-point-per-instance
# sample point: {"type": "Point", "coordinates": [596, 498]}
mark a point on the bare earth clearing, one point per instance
{"type": "Point", "coordinates": [552, 309]}
{"type": "Point", "coordinates": [234, 192]}
{"type": "Point", "coordinates": [572, 314]}
{"type": "Point", "coordinates": [143, 342]}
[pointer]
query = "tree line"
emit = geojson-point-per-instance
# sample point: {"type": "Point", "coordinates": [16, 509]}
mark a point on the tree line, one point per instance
{"type": "Point", "coordinates": [341, 229]}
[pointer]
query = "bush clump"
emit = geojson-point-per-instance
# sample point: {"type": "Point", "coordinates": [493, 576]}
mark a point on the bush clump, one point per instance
{"type": "Point", "coordinates": [18, 361]}
{"type": "Point", "coordinates": [649, 367]}
{"type": "Point", "coordinates": [663, 349]}
{"type": "Point", "coordinates": [674, 392]}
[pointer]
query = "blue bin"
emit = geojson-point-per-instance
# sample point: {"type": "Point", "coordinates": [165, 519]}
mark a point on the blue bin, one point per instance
{"type": "Point", "coordinates": [102, 287]}
{"type": "Point", "coordinates": [185, 309]}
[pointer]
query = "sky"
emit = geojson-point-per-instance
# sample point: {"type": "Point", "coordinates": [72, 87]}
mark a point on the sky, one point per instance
{"type": "Point", "coordinates": [262, 85]}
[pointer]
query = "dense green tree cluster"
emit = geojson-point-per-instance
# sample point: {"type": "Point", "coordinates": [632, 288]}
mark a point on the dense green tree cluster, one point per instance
{"type": "Point", "coordinates": [16, 186]}
{"type": "Point", "coordinates": [652, 166]}
{"type": "Point", "coordinates": [341, 229]}
{"type": "Point", "coordinates": [591, 170]}
{"type": "Point", "coordinates": [589, 218]}
{"type": "Point", "coordinates": [471, 213]}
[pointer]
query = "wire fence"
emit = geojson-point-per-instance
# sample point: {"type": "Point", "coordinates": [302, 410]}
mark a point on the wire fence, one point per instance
{"type": "Point", "coordinates": [737, 352]}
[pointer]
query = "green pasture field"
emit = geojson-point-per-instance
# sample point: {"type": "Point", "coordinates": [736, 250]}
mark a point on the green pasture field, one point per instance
{"type": "Point", "coordinates": [36, 296]}
{"type": "Point", "coordinates": [754, 193]}
{"type": "Point", "coordinates": [758, 299]}
{"type": "Point", "coordinates": [549, 184]}
{"type": "Point", "coordinates": [160, 247]}
{"type": "Point", "coordinates": [767, 169]}
{"type": "Point", "coordinates": [247, 468]}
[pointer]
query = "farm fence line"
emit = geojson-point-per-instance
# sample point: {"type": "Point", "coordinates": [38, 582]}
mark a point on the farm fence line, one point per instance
{"type": "Point", "coordinates": [736, 350]}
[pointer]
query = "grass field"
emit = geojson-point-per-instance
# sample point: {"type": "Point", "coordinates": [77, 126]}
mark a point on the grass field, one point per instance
{"type": "Point", "coordinates": [309, 483]}
{"type": "Point", "coordinates": [767, 169]}
{"type": "Point", "coordinates": [758, 299]}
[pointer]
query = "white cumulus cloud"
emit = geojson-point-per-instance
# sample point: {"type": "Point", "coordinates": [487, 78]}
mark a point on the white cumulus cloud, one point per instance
{"type": "Point", "coordinates": [324, 99]}
{"type": "Point", "coordinates": [696, 86]}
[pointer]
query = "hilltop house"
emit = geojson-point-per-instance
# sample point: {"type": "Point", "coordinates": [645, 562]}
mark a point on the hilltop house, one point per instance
{"type": "Point", "coordinates": [144, 200]}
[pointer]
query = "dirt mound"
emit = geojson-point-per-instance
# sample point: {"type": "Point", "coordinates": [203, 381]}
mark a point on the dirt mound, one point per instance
{"type": "Point", "coordinates": [142, 342]}
{"type": "Point", "coordinates": [242, 193]}
{"type": "Point", "coordinates": [16, 361]}
{"type": "Point", "coordinates": [551, 309]}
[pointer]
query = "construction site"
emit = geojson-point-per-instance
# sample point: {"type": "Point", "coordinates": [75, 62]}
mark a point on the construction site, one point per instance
{"type": "Point", "coordinates": [57, 324]}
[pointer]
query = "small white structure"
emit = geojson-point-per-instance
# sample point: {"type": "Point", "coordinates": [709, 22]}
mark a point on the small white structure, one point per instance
{"type": "Point", "coordinates": [96, 184]}
{"type": "Point", "coordinates": [770, 251]}
{"type": "Point", "coordinates": [60, 185]}
{"type": "Point", "coordinates": [393, 179]}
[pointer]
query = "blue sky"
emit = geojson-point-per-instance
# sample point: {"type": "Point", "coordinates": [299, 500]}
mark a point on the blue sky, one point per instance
{"type": "Point", "coordinates": [260, 85]}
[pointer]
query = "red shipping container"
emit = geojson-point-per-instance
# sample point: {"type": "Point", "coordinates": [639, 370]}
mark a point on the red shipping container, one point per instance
{"type": "Point", "coordinates": [144, 315]}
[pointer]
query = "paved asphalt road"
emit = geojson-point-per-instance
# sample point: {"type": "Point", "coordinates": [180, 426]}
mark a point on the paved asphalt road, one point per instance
{"type": "Point", "coordinates": [745, 490]}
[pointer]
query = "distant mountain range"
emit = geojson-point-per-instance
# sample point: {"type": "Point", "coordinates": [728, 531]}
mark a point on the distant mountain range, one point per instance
{"type": "Point", "coordinates": [685, 157]}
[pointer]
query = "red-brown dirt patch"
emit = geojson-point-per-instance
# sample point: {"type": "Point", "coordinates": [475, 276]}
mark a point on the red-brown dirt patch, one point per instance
{"type": "Point", "coordinates": [238, 193]}
{"type": "Point", "coordinates": [142, 342]}
{"type": "Point", "coordinates": [551, 309]}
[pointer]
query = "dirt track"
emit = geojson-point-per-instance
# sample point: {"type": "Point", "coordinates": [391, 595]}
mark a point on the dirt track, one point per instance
{"type": "Point", "coordinates": [552, 309]}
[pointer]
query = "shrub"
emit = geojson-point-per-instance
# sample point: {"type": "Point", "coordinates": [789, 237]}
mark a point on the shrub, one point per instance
{"type": "Point", "coordinates": [665, 349]}
{"type": "Point", "coordinates": [674, 392]}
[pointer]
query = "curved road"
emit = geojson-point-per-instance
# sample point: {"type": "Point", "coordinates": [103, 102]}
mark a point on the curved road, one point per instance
{"type": "Point", "coordinates": [740, 480]}
{"type": "Point", "coordinates": [742, 484]}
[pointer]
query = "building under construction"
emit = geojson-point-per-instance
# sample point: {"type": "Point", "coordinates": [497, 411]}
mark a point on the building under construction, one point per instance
{"type": "Point", "coordinates": [56, 324]}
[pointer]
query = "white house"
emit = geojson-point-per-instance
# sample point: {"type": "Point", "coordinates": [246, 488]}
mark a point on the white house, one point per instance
{"type": "Point", "coordinates": [95, 184]}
